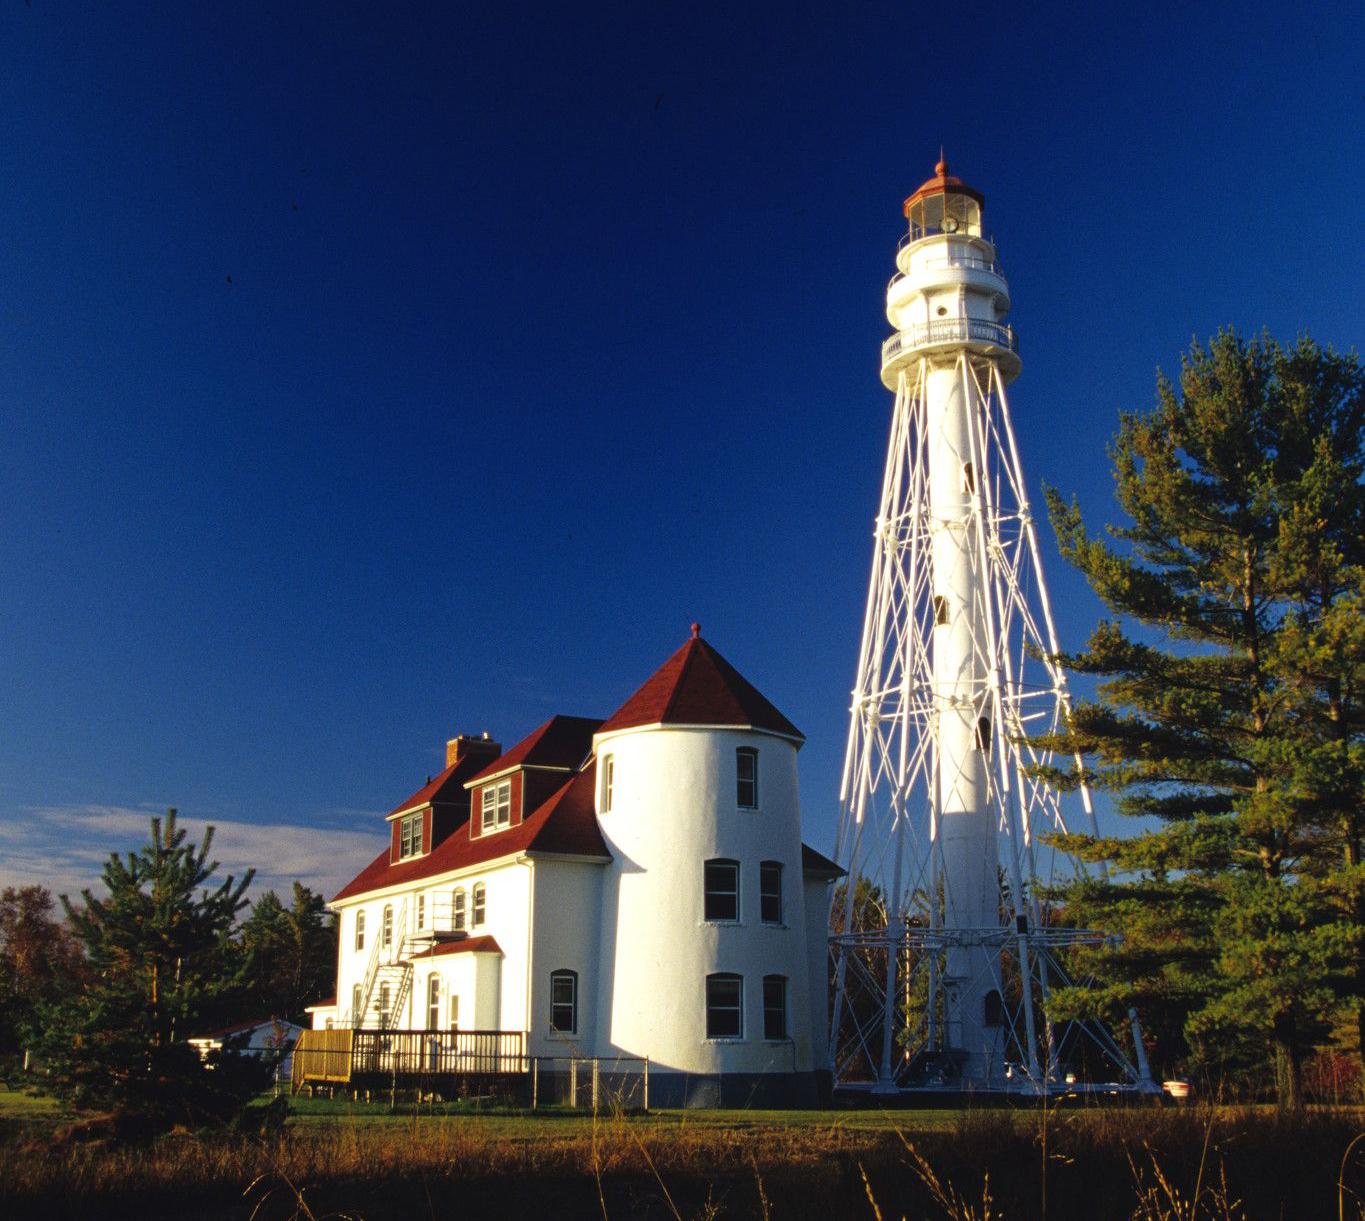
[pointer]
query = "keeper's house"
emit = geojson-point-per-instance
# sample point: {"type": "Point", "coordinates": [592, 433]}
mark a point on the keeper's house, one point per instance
{"type": "Point", "coordinates": [628, 887]}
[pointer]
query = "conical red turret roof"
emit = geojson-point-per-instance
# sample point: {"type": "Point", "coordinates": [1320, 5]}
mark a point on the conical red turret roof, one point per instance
{"type": "Point", "coordinates": [697, 686]}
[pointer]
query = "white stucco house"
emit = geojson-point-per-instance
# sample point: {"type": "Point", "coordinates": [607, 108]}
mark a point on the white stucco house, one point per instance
{"type": "Point", "coordinates": [629, 887]}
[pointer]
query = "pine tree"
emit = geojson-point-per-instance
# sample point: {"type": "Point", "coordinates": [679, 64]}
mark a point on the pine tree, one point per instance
{"type": "Point", "coordinates": [1231, 725]}
{"type": "Point", "coordinates": [160, 954]}
{"type": "Point", "coordinates": [292, 953]}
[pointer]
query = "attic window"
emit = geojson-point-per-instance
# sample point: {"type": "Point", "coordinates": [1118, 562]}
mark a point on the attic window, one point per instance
{"type": "Point", "coordinates": [409, 836]}
{"type": "Point", "coordinates": [497, 806]}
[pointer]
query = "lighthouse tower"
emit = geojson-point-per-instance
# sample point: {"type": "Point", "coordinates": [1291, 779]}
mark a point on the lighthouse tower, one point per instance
{"type": "Point", "coordinates": [943, 954]}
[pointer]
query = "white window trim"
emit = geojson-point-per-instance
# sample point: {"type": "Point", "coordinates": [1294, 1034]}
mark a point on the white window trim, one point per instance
{"type": "Point", "coordinates": [495, 807]}
{"type": "Point", "coordinates": [734, 865]}
{"type": "Point", "coordinates": [751, 753]}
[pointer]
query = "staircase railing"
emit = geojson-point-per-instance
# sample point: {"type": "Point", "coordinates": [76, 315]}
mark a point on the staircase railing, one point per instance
{"type": "Point", "coordinates": [396, 939]}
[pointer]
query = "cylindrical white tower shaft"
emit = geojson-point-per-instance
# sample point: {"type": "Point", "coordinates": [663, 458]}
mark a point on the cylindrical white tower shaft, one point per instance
{"type": "Point", "coordinates": [947, 305]}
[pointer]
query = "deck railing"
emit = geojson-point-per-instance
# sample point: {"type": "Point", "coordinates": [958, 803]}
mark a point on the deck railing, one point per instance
{"type": "Point", "coordinates": [340, 1056]}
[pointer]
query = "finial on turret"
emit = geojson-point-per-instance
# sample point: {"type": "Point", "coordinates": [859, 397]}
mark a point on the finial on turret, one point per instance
{"type": "Point", "coordinates": [696, 631]}
{"type": "Point", "coordinates": [941, 169]}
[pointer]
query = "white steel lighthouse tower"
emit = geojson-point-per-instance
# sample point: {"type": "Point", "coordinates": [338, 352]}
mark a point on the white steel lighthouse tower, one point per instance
{"type": "Point", "coordinates": [943, 953]}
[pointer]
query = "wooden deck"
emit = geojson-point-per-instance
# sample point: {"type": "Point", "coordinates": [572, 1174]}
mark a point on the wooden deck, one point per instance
{"type": "Point", "coordinates": [345, 1057]}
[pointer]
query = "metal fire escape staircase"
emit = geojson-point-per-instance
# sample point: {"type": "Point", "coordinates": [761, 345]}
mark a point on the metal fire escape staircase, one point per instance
{"type": "Point", "coordinates": [389, 972]}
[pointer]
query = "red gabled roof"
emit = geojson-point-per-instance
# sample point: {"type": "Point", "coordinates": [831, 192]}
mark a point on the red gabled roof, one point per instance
{"type": "Point", "coordinates": [447, 786]}
{"type": "Point", "coordinates": [563, 741]}
{"type": "Point", "coordinates": [564, 824]}
{"type": "Point", "coordinates": [697, 686]}
{"type": "Point", "coordinates": [466, 945]}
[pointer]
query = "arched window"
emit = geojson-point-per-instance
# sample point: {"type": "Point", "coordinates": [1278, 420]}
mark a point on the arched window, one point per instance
{"type": "Point", "coordinates": [770, 892]}
{"type": "Point", "coordinates": [357, 999]}
{"type": "Point", "coordinates": [360, 929]}
{"type": "Point", "coordinates": [457, 909]}
{"type": "Point", "coordinates": [983, 734]}
{"type": "Point", "coordinates": [720, 890]}
{"type": "Point", "coordinates": [386, 929]}
{"type": "Point", "coordinates": [564, 1002]}
{"type": "Point", "coordinates": [480, 904]}
{"type": "Point", "coordinates": [993, 1009]}
{"type": "Point", "coordinates": [746, 778]}
{"type": "Point", "coordinates": [433, 1002]}
{"type": "Point", "coordinates": [774, 1006]}
{"type": "Point", "coordinates": [724, 1006]}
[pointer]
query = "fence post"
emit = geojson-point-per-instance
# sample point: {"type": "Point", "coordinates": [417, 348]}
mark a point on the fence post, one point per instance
{"type": "Point", "coordinates": [535, 1081]}
{"type": "Point", "coordinates": [595, 1063]}
{"type": "Point", "coordinates": [646, 1083]}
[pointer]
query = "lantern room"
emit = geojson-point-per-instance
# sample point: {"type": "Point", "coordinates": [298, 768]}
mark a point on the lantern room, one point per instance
{"type": "Point", "coordinates": [944, 204]}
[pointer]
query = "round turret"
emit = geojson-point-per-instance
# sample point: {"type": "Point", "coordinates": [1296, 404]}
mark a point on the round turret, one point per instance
{"type": "Point", "coordinates": [711, 962]}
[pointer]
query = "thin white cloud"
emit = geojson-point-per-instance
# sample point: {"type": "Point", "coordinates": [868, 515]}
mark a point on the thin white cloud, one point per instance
{"type": "Point", "coordinates": [64, 848]}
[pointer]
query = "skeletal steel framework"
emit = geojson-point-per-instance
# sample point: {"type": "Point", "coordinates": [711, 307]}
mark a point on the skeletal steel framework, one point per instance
{"type": "Point", "coordinates": [943, 955]}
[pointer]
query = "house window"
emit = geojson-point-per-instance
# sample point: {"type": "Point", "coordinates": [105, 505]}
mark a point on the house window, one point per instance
{"type": "Point", "coordinates": [983, 734]}
{"type": "Point", "coordinates": [383, 1004]}
{"type": "Point", "coordinates": [357, 999]}
{"type": "Point", "coordinates": [409, 836]}
{"type": "Point", "coordinates": [453, 1010]}
{"type": "Point", "coordinates": [457, 909]}
{"type": "Point", "coordinates": [774, 1006]}
{"type": "Point", "coordinates": [608, 781]}
{"type": "Point", "coordinates": [724, 1007]}
{"type": "Point", "coordinates": [386, 929]}
{"type": "Point", "coordinates": [770, 892]}
{"type": "Point", "coordinates": [360, 930]}
{"type": "Point", "coordinates": [421, 911]}
{"type": "Point", "coordinates": [564, 1002]}
{"type": "Point", "coordinates": [746, 774]}
{"type": "Point", "coordinates": [497, 806]}
{"type": "Point", "coordinates": [434, 1002]}
{"type": "Point", "coordinates": [480, 902]}
{"type": "Point", "coordinates": [720, 884]}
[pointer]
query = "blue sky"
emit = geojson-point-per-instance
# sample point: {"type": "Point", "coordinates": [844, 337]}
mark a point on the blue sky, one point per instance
{"type": "Point", "coordinates": [376, 372]}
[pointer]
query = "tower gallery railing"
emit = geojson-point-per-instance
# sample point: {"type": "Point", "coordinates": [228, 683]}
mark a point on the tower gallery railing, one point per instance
{"type": "Point", "coordinates": [950, 330]}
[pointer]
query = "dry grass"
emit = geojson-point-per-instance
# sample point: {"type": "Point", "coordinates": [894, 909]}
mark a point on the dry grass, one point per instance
{"type": "Point", "coordinates": [1149, 1165]}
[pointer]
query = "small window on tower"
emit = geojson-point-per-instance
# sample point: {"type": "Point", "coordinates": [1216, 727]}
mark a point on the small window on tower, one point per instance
{"type": "Point", "coordinates": [940, 610]}
{"type": "Point", "coordinates": [969, 478]}
{"type": "Point", "coordinates": [746, 773]}
{"type": "Point", "coordinates": [720, 887]}
{"type": "Point", "coordinates": [608, 781]}
{"type": "Point", "coordinates": [724, 1006]}
{"type": "Point", "coordinates": [983, 734]}
{"type": "Point", "coordinates": [770, 892]}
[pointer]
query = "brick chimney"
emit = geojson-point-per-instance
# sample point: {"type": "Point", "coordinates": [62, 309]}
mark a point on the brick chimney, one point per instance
{"type": "Point", "coordinates": [464, 746]}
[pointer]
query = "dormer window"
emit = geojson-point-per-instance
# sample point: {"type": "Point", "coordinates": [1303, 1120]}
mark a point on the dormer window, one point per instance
{"type": "Point", "coordinates": [409, 836]}
{"type": "Point", "coordinates": [497, 806]}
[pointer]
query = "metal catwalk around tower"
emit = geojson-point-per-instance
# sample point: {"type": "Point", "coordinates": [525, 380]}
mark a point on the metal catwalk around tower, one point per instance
{"type": "Point", "coordinates": [944, 957]}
